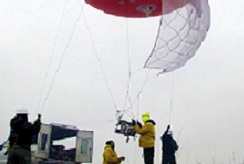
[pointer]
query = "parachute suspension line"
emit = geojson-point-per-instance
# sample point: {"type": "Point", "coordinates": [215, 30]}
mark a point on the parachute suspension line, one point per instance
{"type": "Point", "coordinates": [51, 57]}
{"type": "Point", "coordinates": [127, 94]}
{"type": "Point", "coordinates": [101, 66]}
{"type": "Point", "coordinates": [61, 60]}
{"type": "Point", "coordinates": [139, 94]}
{"type": "Point", "coordinates": [171, 97]}
{"type": "Point", "coordinates": [138, 106]}
{"type": "Point", "coordinates": [138, 97]}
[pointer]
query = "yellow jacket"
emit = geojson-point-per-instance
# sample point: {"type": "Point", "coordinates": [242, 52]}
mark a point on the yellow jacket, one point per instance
{"type": "Point", "coordinates": [110, 156]}
{"type": "Point", "coordinates": [147, 132]}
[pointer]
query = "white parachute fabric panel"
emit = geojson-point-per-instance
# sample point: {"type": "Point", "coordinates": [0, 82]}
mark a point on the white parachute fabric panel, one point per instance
{"type": "Point", "coordinates": [180, 34]}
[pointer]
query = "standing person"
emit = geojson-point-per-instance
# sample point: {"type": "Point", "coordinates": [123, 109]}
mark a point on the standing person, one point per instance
{"type": "Point", "coordinates": [13, 135]}
{"type": "Point", "coordinates": [109, 154]}
{"type": "Point", "coordinates": [20, 153]}
{"type": "Point", "coordinates": [169, 147]}
{"type": "Point", "coordinates": [147, 138]}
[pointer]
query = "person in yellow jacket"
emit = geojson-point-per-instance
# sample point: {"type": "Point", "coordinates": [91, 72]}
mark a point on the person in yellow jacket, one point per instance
{"type": "Point", "coordinates": [109, 154]}
{"type": "Point", "coordinates": [147, 137]}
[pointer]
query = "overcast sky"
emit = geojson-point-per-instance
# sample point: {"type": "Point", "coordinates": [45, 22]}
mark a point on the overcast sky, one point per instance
{"type": "Point", "coordinates": [69, 62]}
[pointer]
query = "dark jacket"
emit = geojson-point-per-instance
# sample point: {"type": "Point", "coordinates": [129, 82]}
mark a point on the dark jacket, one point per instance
{"type": "Point", "coordinates": [22, 132]}
{"type": "Point", "coordinates": [169, 144]}
{"type": "Point", "coordinates": [26, 131]}
{"type": "Point", "coordinates": [13, 131]}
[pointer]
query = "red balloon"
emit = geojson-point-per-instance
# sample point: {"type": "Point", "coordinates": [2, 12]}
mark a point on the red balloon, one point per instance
{"type": "Point", "coordinates": [136, 8]}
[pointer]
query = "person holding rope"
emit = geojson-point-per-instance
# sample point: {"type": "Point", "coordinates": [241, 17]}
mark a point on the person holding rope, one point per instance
{"type": "Point", "coordinates": [169, 147]}
{"type": "Point", "coordinates": [21, 137]}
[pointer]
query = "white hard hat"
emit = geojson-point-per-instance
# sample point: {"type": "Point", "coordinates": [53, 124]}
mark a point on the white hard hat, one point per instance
{"type": "Point", "coordinates": [22, 111]}
{"type": "Point", "coordinates": [170, 132]}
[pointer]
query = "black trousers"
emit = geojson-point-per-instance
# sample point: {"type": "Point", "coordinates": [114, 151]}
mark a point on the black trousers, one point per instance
{"type": "Point", "coordinates": [169, 159]}
{"type": "Point", "coordinates": [148, 155]}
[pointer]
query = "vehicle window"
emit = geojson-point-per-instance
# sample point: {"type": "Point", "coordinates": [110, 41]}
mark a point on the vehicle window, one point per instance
{"type": "Point", "coordinates": [84, 146]}
{"type": "Point", "coordinates": [43, 141]}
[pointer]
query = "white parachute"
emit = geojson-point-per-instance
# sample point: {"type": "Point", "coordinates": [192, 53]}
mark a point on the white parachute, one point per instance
{"type": "Point", "coordinates": [180, 34]}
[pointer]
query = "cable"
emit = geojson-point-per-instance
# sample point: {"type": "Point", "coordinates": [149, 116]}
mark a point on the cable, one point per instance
{"type": "Point", "coordinates": [137, 98]}
{"type": "Point", "coordinates": [61, 60]}
{"type": "Point", "coordinates": [171, 97]}
{"type": "Point", "coordinates": [127, 93]}
{"type": "Point", "coordinates": [52, 54]}
{"type": "Point", "coordinates": [101, 65]}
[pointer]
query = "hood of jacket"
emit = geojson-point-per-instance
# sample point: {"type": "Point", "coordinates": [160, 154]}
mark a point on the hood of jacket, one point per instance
{"type": "Point", "coordinates": [151, 121]}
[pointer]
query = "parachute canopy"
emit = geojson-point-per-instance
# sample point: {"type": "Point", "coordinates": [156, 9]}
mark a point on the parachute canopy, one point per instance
{"type": "Point", "coordinates": [136, 8]}
{"type": "Point", "coordinates": [180, 34]}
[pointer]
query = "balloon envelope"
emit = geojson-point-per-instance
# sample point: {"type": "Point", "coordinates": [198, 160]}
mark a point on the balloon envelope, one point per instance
{"type": "Point", "coordinates": [136, 8]}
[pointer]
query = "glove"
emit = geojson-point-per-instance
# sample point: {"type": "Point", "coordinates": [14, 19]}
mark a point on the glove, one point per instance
{"type": "Point", "coordinates": [39, 117]}
{"type": "Point", "coordinates": [168, 127]}
{"type": "Point", "coordinates": [139, 124]}
{"type": "Point", "coordinates": [121, 159]}
{"type": "Point", "coordinates": [133, 122]}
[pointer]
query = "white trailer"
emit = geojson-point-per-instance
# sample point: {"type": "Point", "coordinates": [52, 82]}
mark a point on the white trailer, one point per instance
{"type": "Point", "coordinates": [46, 152]}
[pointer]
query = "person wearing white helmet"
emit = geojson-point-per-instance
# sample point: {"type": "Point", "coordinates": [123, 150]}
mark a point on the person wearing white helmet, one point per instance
{"type": "Point", "coordinates": [169, 147]}
{"type": "Point", "coordinates": [21, 137]}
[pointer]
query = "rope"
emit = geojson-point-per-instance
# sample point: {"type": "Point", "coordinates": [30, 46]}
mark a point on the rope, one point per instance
{"type": "Point", "coordinates": [171, 97]}
{"type": "Point", "coordinates": [101, 65]}
{"type": "Point", "coordinates": [51, 58]}
{"type": "Point", "coordinates": [127, 94]}
{"type": "Point", "coordinates": [61, 61]}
